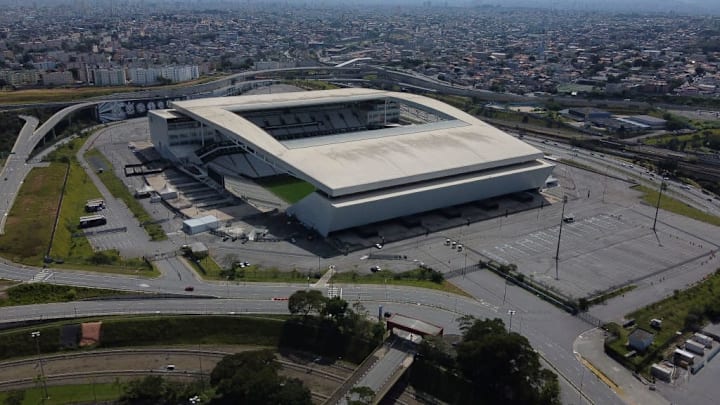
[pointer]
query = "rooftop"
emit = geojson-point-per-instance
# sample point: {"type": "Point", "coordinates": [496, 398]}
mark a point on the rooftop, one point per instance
{"type": "Point", "coordinates": [359, 162]}
{"type": "Point", "coordinates": [415, 324]}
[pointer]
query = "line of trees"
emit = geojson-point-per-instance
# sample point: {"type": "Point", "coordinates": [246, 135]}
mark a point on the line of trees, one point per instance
{"type": "Point", "coordinates": [330, 327]}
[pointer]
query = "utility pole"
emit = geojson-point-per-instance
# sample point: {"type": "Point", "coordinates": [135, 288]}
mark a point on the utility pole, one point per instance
{"type": "Point", "coordinates": [36, 336]}
{"type": "Point", "coordinates": [557, 251]}
{"type": "Point", "coordinates": [663, 186]}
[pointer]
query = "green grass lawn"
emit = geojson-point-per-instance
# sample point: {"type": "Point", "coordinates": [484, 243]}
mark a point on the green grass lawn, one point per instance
{"type": "Point", "coordinates": [40, 293]}
{"type": "Point", "coordinates": [272, 275]}
{"type": "Point", "coordinates": [79, 189]}
{"type": "Point", "coordinates": [667, 203]}
{"type": "Point", "coordinates": [312, 84]}
{"type": "Point", "coordinates": [118, 189]}
{"type": "Point", "coordinates": [396, 279]}
{"type": "Point", "coordinates": [70, 394]}
{"type": "Point", "coordinates": [31, 219]}
{"type": "Point", "coordinates": [208, 269]}
{"type": "Point", "coordinates": [252, 273]}
{"type": "Point", "coordinates": [257, 274]}
{"type": "Point", "coordinates": [290, 189]}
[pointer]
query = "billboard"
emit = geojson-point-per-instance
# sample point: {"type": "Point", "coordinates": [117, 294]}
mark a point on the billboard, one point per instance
{"type": "Point", "coordinates": [112, 111]}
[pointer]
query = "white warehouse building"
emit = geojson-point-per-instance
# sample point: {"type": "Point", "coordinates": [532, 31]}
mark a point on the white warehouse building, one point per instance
{"type": "Point", "coordinates": [370, 155]}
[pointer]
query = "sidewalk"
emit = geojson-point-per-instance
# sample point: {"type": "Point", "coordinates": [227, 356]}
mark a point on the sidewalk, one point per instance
{"type": "Point", "coordinates": [588, 348]}
{"type": "Point", "coordinates": [323, 281]}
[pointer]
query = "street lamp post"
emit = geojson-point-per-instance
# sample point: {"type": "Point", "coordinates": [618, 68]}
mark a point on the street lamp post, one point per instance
{"type": "Point", "coordinates": [36, 336]}
{"type": "Point", "coordinates": [557, 251]}
{"type": "Point", "coordinates": [511, 312]}
{"type": "Point", "coordinates": [663, 186]}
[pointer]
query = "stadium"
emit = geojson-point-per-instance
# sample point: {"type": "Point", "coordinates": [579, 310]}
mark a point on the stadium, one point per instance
{"type": "Point", "coordinates": [369, 155]}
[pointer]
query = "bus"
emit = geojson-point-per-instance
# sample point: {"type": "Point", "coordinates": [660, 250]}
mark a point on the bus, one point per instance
{"type": "Point", "coordinates": [92, 220]}
{"type": "Point", "coordinates": [94, 205]}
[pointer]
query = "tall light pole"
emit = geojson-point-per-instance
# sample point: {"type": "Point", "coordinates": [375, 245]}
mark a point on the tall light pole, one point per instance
{"type": "Point", "coordinates": [36, 336]}
{"type": "Point", "coordinates": [511, 312]}
{"type": "Point", "coordinates": [663, 186]}
{"type": "Point", "coordinates": [557, 251]}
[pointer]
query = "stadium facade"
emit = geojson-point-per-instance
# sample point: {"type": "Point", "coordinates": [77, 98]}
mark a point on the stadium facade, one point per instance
{"type": "Point", "coordinates": [371, 155]}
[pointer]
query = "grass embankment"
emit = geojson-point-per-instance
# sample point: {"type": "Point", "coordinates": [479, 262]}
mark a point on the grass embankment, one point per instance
{"type": "Point", "coordinates": [421, 278]}
{"type": "Point", "coordinates": [39, 293]}
{"type": "Point", "coordinates": [571, 162]}
{"type": "Point", "coordinates": [670, 204]}
{"type": "Point", "coordinates": [31, 219]}
{"type": "Point", "coordinates": [68, 394]}
{"type": "Point", "coordinates": [311, 84]}
{"type": "Point", "coordinates": [118, 189]}
{"type": "Point", "coordinates": [290, 189]}
{"type": "Point", "coordinates": [80, 93]}
{"type": "Point", "coordinates": [683, 311]}
{"type": "Point", "coordinates": [207, 268]}
{"type": "Point", "coordinates": [412, 278]}
{"type": "Point", "coordinates": [151, 331]}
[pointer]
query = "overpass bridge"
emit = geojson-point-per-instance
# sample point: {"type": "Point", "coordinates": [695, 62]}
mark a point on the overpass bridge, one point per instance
{"type": "Point", "coordinates": [380, 371]}
{"type": "Point", "coordinates": [383, 369]}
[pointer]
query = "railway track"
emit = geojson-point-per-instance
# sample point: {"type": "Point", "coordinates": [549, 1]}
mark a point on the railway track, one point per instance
{"type": "Point", "coordinates": [68, 378]}
{"type": "Point", "coordinates": [120, 352]}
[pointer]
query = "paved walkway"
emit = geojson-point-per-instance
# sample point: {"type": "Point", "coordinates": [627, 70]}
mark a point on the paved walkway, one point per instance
{"type": "Point", "coordinates": [588, 348]}
{"type": "Point", "coordinates": [323, 281]}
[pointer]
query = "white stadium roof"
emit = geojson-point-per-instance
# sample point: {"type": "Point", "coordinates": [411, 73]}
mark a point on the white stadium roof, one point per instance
{"type": "Point", "coordinates": [357, 162]}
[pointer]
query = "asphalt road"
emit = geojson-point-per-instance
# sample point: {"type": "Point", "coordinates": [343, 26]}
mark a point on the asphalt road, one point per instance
{"type": "Point", "coordinates": [550, 330]}
{"type": "Point", "coordinates": [15, 169]}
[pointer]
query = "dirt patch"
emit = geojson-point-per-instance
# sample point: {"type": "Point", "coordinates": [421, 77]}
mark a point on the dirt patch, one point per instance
{"type": "Point", "coordinates": [90, 333]}
{"type": "Point", "coordinates": [4, 285]}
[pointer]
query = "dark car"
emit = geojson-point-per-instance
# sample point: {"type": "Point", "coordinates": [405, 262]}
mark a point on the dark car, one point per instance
{"type": "Point", "coordinates": [189, 288]}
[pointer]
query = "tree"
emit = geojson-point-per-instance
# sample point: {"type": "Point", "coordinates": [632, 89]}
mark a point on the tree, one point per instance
{"type": "Point", "coordinates": [227, 367]}
{"type": "Point", "coordinates": [336, 308]}
{"type": "Point", "coordinates": [364, 396]}
{"type": "Point", "coordinates": [252, 378]}
{"type": "Point", "coordinates": [503, 367]}
{"type": "Point", "coordinates": [155, 390]}
{"type": "Point", "coordinates": [304, 302]}
{"type": "Point", "coordinates": [14, 397]}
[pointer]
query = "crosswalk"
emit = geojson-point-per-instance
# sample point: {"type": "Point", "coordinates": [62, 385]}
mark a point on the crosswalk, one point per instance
{"type": "Point", "coordinates": [43, 275]}
{"type": "Point", "coordinates": [334, 292]}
